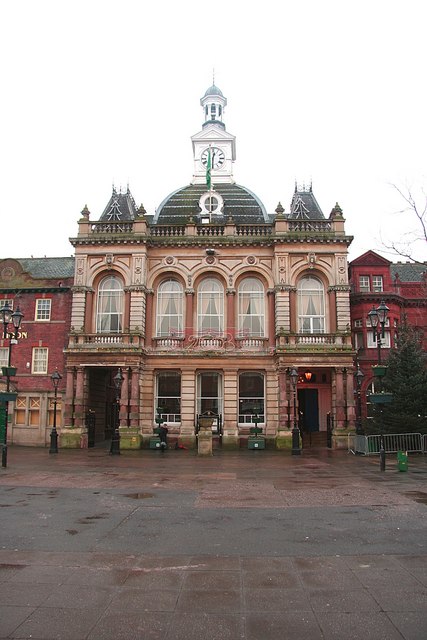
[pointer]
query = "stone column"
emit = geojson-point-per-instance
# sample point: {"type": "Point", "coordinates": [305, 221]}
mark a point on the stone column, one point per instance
{"type": "Point", "coordinates": [293, 310]}
{"type": "Point", "coordinates": [134, 398]}
{"type": "Point", "coordinates": [230, 438]}
{"type": "Point", "coordinates": [339, 401]}
{"type": "Point", "coordinates": [271, 302]}
{"type": "Point", "coordinates": [130, 436]}
{"type": "Point", "coordinates": [89, 321]}
{"type": "Point", "coordinates": [332, 299]}
{"type": "Point", "coordinates": [351, 399]}
{"type": "Point", "coordinates": [189, 314]}
{"type": "Point", "coordinates": [126, 314]}
{"type": "Point", "coordinates": [231, 313]}
{"type": "Point", "coordinates": [149, 318]}
{"type": "Point", "coordinates": [74, 435]}
{"type": "Point", "coordinates": [79, 398]}
{"type": "Point", "coordinates": [188, 407]}
{"type": "Point", "coordinates": [69, 399]}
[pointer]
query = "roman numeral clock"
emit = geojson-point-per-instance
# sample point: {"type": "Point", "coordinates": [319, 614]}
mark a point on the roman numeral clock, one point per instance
{"type": "Point", "coordinates": [217, 157]}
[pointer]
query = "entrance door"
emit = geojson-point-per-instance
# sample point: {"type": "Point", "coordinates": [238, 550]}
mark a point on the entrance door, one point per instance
{"type": "Point", "coordinates": [308, 403]}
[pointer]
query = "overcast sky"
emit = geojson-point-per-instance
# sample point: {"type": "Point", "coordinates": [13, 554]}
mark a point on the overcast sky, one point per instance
{"type": "Point", "coordinates": [102, 92]}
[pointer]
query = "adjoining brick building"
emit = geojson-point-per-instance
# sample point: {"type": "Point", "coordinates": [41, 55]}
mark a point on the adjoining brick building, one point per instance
{"type": "Point", "coordinates": [403, 287]}
{"type": "Point", "coordinates": [41, 288]}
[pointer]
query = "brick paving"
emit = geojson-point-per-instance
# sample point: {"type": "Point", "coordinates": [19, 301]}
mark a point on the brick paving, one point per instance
{"type": "Point", "coordinates": [245, 545]}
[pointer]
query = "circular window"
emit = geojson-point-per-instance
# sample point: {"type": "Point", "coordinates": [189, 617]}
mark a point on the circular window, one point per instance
{"type": "Point", "coordinates": [211, 203]}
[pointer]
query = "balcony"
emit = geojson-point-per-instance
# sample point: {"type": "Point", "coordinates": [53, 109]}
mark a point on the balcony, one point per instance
{"type": "Point", "coordinates": [319, 342]}
{"type": "Point", "coordinates": [105, 341]}
{"type": "Point", "coordinates": [140, 230]}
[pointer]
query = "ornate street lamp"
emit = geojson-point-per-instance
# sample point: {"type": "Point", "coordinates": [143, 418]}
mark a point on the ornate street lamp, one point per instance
{"type": "Point", "coordinates": [359, 375]}
{"type": "Point", "coordinates": [7, 316]}
{"type": "Point", "coordinates": [296, 449]}
{"type": "Point", "coordinates": [115, 440]}
{"type": "Point", "coordinates": [55, 377]}
{"type": "Point", "coordinates": [377, 318]}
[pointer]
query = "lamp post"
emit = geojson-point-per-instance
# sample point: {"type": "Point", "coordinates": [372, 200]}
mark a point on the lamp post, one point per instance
{"type": "Point", "coordinates": [359, 377]}
{"type": "Point", "coordinates": [115, 440]}
{"type": "Point", "coordinates": [8, 316]}
{"type": "Point", "coordinates": [377, 319]}
{"type": "Point", "coordinates": [296, 449]}
{"type": "Point", "coordinates": [55, 377]}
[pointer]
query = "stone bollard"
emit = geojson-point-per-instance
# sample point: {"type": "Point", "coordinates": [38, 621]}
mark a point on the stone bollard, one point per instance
{"type": "Point", "coordinates": [204, 439]}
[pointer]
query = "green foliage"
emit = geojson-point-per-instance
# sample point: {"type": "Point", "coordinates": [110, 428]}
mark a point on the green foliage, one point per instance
{"type": "Point", "coordinates": [406, 379]}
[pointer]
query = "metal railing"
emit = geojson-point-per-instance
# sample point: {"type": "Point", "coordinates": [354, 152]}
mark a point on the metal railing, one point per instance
{"type": "Point", "coordinates": [393, 442]}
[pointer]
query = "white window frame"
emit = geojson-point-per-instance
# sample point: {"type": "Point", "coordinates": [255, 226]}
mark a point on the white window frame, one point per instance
{"type": "Point", "coordinates": [251, 308]}
{"type": "Point", "coordinates": [372, 342]}
{"type": "Point", "coordinates": [170, 292]}
{"type": "Point", "coordinates": [210, 293]}
{"type": "Point", "coordinates": [40, 358]}
{"type": "Point", "coordinates": [4, 357]}
{"type": "Point", "coordinates": [377, 284]}
{"type": "Point", "coordinates": [365, 288]}
{"type": "Point", "coordinates": [43, 310]}
{"type": "Point", "coordinates": [310, 292]}
{"type": "Point", "coordinates": [358, 340]}
{"type": "Point", "coordinates": [110, 305]}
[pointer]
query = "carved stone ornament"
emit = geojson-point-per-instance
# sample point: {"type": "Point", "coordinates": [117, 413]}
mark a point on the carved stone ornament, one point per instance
{"type": "Point", "coordinates": [210, 260]}
{"type": "Point", "coordinates": [251, 260]}
{"type": "Point", "coordinates": [7, 273]}
{"type": "Point", "coordinates": [311, 259]}
{"type": "Point", "coordinates": [170, 260]}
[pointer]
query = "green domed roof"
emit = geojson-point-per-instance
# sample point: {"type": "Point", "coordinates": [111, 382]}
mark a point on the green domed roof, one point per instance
{"type": "Point", "coordinates": [240, 205]}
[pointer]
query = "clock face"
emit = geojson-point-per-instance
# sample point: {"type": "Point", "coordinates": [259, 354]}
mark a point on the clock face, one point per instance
{"type": "Point", "coordinates": [217, 157]}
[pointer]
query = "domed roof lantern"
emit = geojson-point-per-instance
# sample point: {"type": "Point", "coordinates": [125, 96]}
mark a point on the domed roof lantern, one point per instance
{"type": "Point", "coordinates": [213, 103]}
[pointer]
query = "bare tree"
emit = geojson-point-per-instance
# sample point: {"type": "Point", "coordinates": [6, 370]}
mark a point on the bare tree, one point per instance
{"type": "Point", "coordinates": [414, 231]}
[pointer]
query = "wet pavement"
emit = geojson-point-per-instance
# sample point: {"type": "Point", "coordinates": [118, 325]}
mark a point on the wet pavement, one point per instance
{"type": "Point", "coordinates": [251, 545]}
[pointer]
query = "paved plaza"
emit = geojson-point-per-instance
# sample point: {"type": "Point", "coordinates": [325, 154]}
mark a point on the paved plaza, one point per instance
{"type": "Point", "coordinates": [245, 545]}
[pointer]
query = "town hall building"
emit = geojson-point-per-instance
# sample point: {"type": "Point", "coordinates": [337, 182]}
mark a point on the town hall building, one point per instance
{"type": "Point", "coordinates": [206, 307]}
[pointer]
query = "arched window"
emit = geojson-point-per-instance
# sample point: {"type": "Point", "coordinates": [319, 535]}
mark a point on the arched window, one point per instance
{"type": "Point", "coordinates": [170, 301]}
{"type": "Point", "coordinates": [210, 306]}
{"type": "Point", "coordinates": [251, 314]}
{"type": "Point", "coordinates": [251, 397]}
{"type": "Point", "coordinates": [311, 305]}
{"type": "Point", "coordinates": [109, 316]}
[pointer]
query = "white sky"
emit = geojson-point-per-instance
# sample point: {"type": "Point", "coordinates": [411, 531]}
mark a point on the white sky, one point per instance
{"type": "Point", "coordinates": [97, 92]}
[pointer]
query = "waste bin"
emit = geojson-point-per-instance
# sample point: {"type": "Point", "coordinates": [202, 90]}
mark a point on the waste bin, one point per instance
{"type": "Point", "coordinates": [402, 460]}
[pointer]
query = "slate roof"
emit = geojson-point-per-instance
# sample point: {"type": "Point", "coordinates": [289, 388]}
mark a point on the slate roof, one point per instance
{"type": "Point", "coordinates": [121, 206]}
{"type": "Point", "coordinates": [408, 271]}
{"type": "Point", "coordinates": [304, 206]}
{"type": "Point", "coordinates": [240, 204]}
{"type": "Point", "coordinates": [48, 267]}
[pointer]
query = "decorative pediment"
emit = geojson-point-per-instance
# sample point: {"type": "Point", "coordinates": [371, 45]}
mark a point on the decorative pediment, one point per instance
{"type": "Point", "coordinates": [370, 259]}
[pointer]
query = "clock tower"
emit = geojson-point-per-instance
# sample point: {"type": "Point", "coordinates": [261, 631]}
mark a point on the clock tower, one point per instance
{"type": "Point", "coordinates": [213, 137]}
